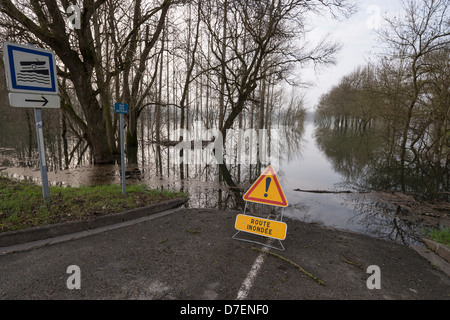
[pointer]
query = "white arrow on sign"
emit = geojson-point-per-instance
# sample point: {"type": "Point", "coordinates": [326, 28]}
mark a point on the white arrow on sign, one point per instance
{"type": "Point", "coordinates": [29, 100]}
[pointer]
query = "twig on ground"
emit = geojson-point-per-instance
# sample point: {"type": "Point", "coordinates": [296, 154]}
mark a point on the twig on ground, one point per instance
{"type": "Point", "coordinates": [294, 264]}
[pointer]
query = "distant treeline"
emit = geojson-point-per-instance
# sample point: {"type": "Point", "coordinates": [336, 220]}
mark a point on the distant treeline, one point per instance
{"type": "Point", "coordinates": [405, 92]}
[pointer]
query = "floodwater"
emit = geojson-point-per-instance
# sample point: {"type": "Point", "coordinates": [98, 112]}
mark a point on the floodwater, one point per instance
{"type": "Point", "coordinates": [305, 164]}
{"type": "Point", "coordinates": [358, 212]}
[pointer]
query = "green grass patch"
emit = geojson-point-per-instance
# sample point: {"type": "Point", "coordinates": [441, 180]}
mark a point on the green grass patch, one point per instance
{"type": "Point", "coordinates": [22, 205]}
{"type": "Point", "coordinates": [441, 235]}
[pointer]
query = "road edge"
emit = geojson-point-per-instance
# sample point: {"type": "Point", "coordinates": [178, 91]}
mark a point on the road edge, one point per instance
{"type": "Point", "coordinates": [12, 238]}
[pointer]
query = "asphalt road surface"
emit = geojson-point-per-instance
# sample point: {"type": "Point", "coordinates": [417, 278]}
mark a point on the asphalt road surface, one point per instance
{"type": "Point", "coordinates": [191, 255]}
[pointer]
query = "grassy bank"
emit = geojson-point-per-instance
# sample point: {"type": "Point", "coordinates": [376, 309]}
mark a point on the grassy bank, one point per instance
{"type": "Point", "coordinates": [441, 235]}
{"type": "Point", "coordinates": [22, 205]}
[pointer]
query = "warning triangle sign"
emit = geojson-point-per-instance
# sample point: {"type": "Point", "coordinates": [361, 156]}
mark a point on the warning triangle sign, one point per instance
{"type": "Point", "coordinates": [267, 190]}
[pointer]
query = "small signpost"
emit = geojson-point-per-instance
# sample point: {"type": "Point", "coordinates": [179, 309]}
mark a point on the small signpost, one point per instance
{"type": "Point", "coordinates": [32, 83]}
{"type": "Point", "coordinates": [122, 108]}
{"type": "Point", "coordinates": [265, 190]}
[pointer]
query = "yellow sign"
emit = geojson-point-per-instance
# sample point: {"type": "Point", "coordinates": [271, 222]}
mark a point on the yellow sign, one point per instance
{"type": "Point", "coordinates": [263, 227]}
{"type": "Point", "coordinates": [267, 190]}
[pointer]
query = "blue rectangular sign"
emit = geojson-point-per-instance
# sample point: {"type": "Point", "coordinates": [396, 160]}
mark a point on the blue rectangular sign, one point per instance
{"type": "Point", "coordinates": [121, 108]}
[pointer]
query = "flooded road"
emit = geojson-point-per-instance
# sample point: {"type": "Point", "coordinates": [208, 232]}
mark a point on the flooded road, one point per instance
{"type": "Point", "coordinates": [303, 165]}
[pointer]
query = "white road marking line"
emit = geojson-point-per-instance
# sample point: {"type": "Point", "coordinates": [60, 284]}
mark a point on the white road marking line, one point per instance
{"type": "Point", "coordinates": [248, 281]}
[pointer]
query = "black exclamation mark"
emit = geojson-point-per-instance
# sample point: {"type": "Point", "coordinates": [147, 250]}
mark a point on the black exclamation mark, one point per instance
{"type": "Point", "coordinates": [268, 180]}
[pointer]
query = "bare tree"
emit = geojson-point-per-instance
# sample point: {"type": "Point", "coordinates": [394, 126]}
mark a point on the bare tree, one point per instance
{"type": "Point", "coordinates": [423, 30]}
{"type": "Point", "coordinates": [257, 44]}
{"type": "Point", "coordinates": [89, 64]}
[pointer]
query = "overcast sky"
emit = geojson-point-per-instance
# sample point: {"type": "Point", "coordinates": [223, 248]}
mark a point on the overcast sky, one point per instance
{"type": "Point", "coordinates": [358, 37]}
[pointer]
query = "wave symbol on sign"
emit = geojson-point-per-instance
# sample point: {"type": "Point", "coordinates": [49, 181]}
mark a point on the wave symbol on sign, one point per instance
{"type": "Point", "coordinates": [34, 71]}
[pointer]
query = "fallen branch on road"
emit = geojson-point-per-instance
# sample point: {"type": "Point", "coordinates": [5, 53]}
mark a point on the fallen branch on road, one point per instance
{"type": "Point", "coordinates": [294, 264]}
{"type": "Point", "coordinates": [329, 191]}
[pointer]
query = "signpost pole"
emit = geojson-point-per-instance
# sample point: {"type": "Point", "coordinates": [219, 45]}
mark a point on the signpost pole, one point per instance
{"type": "Point", "coordinates": [122, 108]}
{"type": "Point", "coordinates": [32, 83]}
{"type": "Point", "coordinates": [122, 149]}
{"type": "Point", "coordinates": [41, 148]}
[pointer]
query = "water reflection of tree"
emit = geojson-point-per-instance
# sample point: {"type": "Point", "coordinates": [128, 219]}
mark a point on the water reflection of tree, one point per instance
{"type": "Point", "coordinates": [371, 161]}
{"type": "Point", "coordinates": [348, 150]}
{"type": "Point", "coordinates": [17, 132]}
{"type": "Point", "coordinates": [291, 136]}
{"type": "Point", "coordinates": [220, 194]}
{"type": "Point", "coordinates": [384, 221]}
{"type": "Point", "coordinates": [66, 148]}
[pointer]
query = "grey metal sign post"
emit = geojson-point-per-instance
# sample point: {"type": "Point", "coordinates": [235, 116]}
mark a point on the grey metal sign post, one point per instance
{"type": "Point", "coordinates": [41, 148]}
{"type": "Point", "coordinates": [121, 109]}
{"type": "Point", "coordinates": [32, 83]}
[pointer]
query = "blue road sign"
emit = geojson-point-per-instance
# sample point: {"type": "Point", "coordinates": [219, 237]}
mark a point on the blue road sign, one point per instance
{"type": "Point", "coordinates": [29, 69]}
{"type": "Point", "coordinates": [31, 81]}
{"type": "Point", "coordinates": [121, 108]}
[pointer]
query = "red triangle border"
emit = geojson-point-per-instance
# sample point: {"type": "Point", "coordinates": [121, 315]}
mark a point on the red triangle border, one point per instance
{"type": "Point", "coordinates": [283, 203]}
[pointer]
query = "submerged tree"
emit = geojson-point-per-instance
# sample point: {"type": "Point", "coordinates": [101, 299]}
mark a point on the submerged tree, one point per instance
{"type": "Point", "coordinates": [235, 51]}
{"type": "Point", "coordinates": [423, 31]}
{"type": "Point", "coordinates": [254, 42]}
{"type": "Point", "coordinates": [100, 51]}
{"type": "Point", "coordinates": [407, 92]}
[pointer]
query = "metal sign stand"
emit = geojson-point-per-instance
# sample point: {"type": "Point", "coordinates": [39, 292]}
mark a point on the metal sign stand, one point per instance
{"type": "Point", "coordinates": [257, 242]}
{"type": "Point", "coordinates": [121, 109]}
{"type": "Point", "coordinates": [122, 153]}
{"type": "Point", "coordinates": [41, 148]}
{"type": "Point", "coordinates": [263, 191]}
{"type": "Point", "coordinates": [32, 83]}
